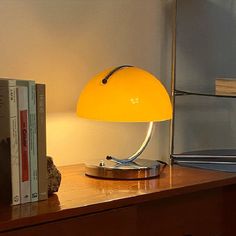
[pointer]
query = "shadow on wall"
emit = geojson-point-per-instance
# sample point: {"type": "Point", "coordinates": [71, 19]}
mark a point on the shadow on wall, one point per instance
{"type": "Point", "coordinates": [206, 49]}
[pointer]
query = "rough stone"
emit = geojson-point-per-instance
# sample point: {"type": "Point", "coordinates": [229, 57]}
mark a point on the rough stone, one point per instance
{"type": "Point", "coordinates": [54, 176]}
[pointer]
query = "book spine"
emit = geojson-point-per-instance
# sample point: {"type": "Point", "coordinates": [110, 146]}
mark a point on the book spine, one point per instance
{"type": "Point", "coordinates": [15, 170]}
{"type": "Point", "coordinates": [41, 140]}
{"type": "Point", "coordinates": [9, 156]}
{"type": "Point", "coordinates": [24, 144]}
{"type": "Point", "coordinates": [33, 141]}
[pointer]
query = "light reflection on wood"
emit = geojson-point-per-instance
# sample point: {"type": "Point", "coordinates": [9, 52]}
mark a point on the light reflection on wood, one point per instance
{"type": "Point", "coordinates": [79, 194]}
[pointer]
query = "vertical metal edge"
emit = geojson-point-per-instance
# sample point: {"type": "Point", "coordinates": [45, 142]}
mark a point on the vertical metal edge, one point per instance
{"type": "Point", "coordinates": [173, 77]}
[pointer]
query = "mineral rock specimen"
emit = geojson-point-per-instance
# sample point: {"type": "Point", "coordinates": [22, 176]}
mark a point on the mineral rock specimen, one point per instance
{"type": "Point", "coordinates": [54, 176]}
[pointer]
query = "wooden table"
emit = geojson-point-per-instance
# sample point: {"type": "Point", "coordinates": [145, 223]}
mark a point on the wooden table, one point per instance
{"type": "Point", "coordinates": [183, 201]}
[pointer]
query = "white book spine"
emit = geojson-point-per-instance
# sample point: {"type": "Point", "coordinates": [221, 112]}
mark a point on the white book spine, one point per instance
{"type": "Point", "coordinates": [15, 175]}
{"type": "Point", "coordinates": [24, 144]}
{"type": "Point", "coordinates": [33, 141]}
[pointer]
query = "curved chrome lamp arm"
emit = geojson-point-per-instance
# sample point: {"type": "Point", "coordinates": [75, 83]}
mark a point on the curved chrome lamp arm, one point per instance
{"type": "Point", "coordinates": [138, 152]}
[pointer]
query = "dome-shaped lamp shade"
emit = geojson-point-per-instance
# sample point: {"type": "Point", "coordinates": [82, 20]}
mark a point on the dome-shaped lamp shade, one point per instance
{"type": "Point", "coordinates": [129, 95]}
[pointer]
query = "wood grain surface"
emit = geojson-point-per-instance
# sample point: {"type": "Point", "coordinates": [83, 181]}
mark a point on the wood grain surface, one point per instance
{"type": "Point", "coordinates": [80, 195]}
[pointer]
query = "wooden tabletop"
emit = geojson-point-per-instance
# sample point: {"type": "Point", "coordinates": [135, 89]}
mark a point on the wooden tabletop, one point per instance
{"type": "Point", "coordinates": [81, 195]}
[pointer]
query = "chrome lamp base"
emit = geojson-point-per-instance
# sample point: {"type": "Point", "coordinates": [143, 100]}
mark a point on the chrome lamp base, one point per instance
{"type": "Point", "coordinates": [130, 168]}
{"type": "Point", "coordinates": [138, 169]}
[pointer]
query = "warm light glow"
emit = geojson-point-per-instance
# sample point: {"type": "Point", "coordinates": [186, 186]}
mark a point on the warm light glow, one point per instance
{"type": "Point", "coordinates": [130, 95]}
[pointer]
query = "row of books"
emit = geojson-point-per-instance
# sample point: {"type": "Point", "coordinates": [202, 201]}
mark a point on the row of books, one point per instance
{"type": "Point", "coordinates": [23, 163]}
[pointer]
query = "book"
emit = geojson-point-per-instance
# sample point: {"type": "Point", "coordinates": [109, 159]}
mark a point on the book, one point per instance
{"type": "Point", "coordinates": [225, 86]}
{"type": "Point", "coordinates": [32, 123]}
{"type": "Point", "coordinates": [41, 141]}
{"type": "Point", "coordinates": [9, 155]}
{"type": "Point", "coordinates": [22, 95]}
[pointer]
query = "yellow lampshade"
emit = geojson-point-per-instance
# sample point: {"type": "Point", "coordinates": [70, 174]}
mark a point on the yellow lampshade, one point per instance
{"type": "Point", "coordinates": [130, 95]}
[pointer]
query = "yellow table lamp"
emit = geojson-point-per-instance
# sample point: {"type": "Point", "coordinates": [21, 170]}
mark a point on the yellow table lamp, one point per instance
{"type": "Point", "coordinates": [125, 94]}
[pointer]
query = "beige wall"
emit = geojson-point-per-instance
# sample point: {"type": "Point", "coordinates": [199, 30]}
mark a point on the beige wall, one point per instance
{"type": "Point", "coordinates": [63, 43]}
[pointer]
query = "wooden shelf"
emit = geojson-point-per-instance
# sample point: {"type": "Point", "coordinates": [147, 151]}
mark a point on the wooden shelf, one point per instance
{"type": "Point", "coordinates": [83, 199]}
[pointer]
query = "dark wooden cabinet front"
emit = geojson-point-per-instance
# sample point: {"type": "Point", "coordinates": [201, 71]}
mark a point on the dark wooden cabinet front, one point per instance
{"type": "Point", "coordinates": [176, 204]}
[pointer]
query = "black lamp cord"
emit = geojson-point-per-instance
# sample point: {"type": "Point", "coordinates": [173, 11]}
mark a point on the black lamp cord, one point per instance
{"type": "Point", "coordinates": [164, 164]}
